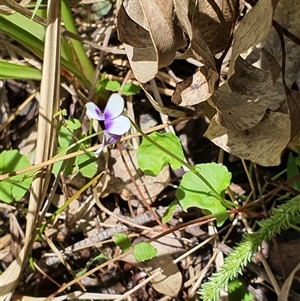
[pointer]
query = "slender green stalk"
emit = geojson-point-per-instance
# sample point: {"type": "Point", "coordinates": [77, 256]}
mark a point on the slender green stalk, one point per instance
{"type": "Point", "coordinates": [189, 166]}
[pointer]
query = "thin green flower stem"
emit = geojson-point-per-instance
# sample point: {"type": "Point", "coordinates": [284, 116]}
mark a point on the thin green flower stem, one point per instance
{"type": "Point", "coordinates": [189, 166]}
{"type": "Point", "coordinates": [76, 143]}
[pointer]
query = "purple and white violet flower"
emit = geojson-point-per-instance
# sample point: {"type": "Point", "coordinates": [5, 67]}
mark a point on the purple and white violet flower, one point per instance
{"type": "Point", "coordinates": [115, 124]}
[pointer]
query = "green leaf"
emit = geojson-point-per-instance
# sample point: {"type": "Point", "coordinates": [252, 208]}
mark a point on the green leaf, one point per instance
{"type": "Point", "coordinates": [297, 159]}
{"type": "Point", "coordinates": [123, 241]}
{"type": "Point", "coordinates": [15, 71]}
{"type": "Point", "coordinates": [65, 135]}
{"type": "Point", "coordinates": [87, 164]}
{"type": "Point", "coordinates": [110, 85]}
{"type": "Point", "coordinates": [169, 212]}
{"type": "Point", "coordinates": [66, 132]}
{"type": "Point", "coordinates": [14, 188]}
{"type": "Point", "coordinates": [152, 159]}
{"type": "Point", "coordinates": [143, 251]}
{"type": "Point", "coordinates": [293, 170]}
{"type": "Point", "coordinates": [70, 167]}
{"type": "Point", "coordinates": [193, 192]}
{"type": "Point", "coordinates": [73, 124]}
{"type": "Point", "coordinates": [237, 291]}
{"type": "Point", "coordinates": [26, 31]}
{"type": "Point", "coordinates": [130, 89]}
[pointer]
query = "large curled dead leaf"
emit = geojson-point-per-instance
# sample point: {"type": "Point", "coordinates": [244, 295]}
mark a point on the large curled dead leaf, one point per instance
{"type": "Point", "coordinates": [246, 124]}
{"type": "Point", "coordinates": [216, 19]}
{"type": "Point", "coordinates": [252, 29]}
{"type": "Point", "coordinates": [244, 99]}
{"type": "Point", "coordinates": [198, 45]}
{"type": "Point", "coordinates": [263, 144]}
{"type": "Point", "coordinates": [150, 36]}
{"type": "Point", "coordinates": [201, 85]}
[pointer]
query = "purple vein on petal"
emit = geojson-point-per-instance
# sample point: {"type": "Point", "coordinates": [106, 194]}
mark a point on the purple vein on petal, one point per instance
{"type": "Point", "coordinates": [93, 112]}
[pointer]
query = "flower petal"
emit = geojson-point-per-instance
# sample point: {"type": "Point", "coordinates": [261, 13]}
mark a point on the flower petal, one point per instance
{"type": "Point", "coordinates": [117, 126]}
{"type": "Point", "coordinates": [99, 150]}
{"type": "Point", "coordinates": [113, 139]}
{"type": "Point", "coordinates": [104, 143]}
{"type": "Point", "coordinates": [114, 106]}
{"type": "Point", "coordinates": [107, 141]}
{"type": "Point", "coordinates": [93, 112]}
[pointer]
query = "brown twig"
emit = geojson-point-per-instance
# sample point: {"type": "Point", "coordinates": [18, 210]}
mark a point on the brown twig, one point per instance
{"type": "Point", "coordinates": [139, 191]}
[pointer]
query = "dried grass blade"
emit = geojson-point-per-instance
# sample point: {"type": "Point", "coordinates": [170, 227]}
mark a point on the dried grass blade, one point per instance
{"type": "Point", "coordinates": [47, 131]}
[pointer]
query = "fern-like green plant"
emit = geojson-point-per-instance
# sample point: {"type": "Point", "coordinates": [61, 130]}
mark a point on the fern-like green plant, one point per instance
{"type": "Point", "coordinates": [242, 254]}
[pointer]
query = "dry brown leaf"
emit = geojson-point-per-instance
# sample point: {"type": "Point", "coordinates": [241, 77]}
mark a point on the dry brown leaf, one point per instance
{"type": "Point", "coordinates": [249, 80]}
{"type": "Point", "coordinates": [143, 59]}
{"type": "Point", "coordinates": [121, 183]}
{"type": "Point", "coordinates": [262, 144]}
{"type": "Point", "coordinates": [244, 99]}
{"type": "Point", "coordinates": [215, 19]}
{"type": "Point", "coordinates": [252, 29]}
{"type": "Point", "coordinates": [198, 45]}
{"type": "Point", "coordinates": [201, 85]}
{"type": "Point", "coordinates": [287, 14]}
{"type": "Point", "coordinates": [197, 88]}
{"type": "Point", "coordinates": [150, 36]}
{"type": "Point", "coordinates": [209, 33]}
{"type": "Point", "coordinates": [169, 282]}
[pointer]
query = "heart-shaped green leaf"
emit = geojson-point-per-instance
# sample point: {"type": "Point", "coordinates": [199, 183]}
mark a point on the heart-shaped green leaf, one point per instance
{"type": "Point", "coordinates": [152, 159]}
{"type": "Point", "coordinates": [193, 192]}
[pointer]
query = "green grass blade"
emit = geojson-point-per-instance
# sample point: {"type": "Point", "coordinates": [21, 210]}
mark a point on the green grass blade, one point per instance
{"type": "Point", "coordinates": [19, 28]}
{"type": "Point", "coordinates": [85, 65]}
{"type": "Point", "coordinates": [36, 8]}
{"type": "Point", "coordinates": [14, 71]}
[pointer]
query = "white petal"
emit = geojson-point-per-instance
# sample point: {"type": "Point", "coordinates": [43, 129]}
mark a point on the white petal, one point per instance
{"type": "Point", "coordinates": [104, 143]}
{"type": "Point", "coordinates": [114, 107]}
{"type": "Point", "coordinates": [99, 150]}
{"type": "Point", "coordinates": [93, 112]}
{"type": "Point", "coordinates": [117, 126]}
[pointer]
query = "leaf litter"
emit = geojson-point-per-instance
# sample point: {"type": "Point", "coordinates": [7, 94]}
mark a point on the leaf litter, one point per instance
{"type": "Point", "coordinates": [255, 118]}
